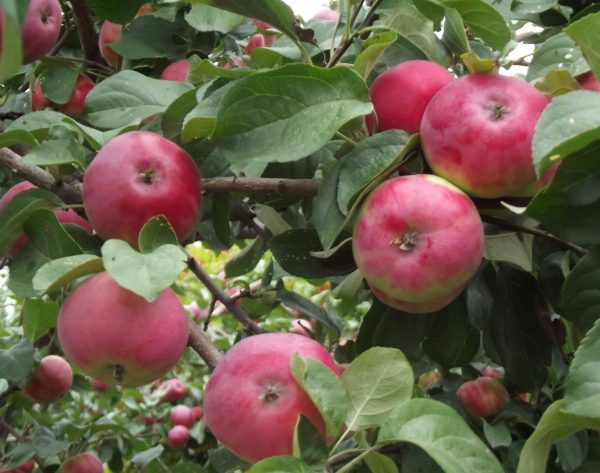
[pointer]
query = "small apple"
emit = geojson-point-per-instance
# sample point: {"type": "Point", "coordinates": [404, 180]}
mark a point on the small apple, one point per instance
{"type": "Point", "coordinates": [182, 415]}
{"type": "Point", "coordinates": [483, 397]}
{"type": "Point", "coordinates": [82, 463]}
{"type": "Point", "coordinates": [98, 385]}
{"type": "Point", "coordinates": [50, 381]}
{"type": "Point", "coordinates": [147, 421]}
{"type": "Point", "coordinates": [401, 94]}
{"type": "Point", "coordinates": [178, 436]}
{"type": "Point", "coordinates": [252, 402]}
{"type": "Point", "coordinates": [418, 256]}
{"type": "Point", "coordinates": [149, 176]}
{"type": "Point", "coordinates": [118, 337]}
{"type": "Point", "coordinates": [588, 81]}
{"type": "Point", "coordinates": [197, 412]}
{"type": "Point", "coordinates": [177, 71]}
{"type": "Point", "coordinates": [255, 41]}
{"type": "Point", "coordinates": [261, 24]}
{"type": "Point", "coordinates": [174, 389]}
{"type": "Point", "coordinates": [75, 104]}
{"type": "Point", "coordinates": [477, 133]}
{"type": "Point", "coordinates": [326, 14]}
{"type": "Point", "coordinates": [26, 467]}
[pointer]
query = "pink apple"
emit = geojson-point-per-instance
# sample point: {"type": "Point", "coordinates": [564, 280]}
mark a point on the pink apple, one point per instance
{"type": "Point", "coordinates": [401, 94]}
{"type": "Point", "coordinates": [303, 327]}
{"type": "Point", "coordinates": [178, 436]}
{"type": "Point", "coordinates": [588, 81]}
{"type": "Point", "coordinates": [477, 133]}
{"type": "Point", "coordinates": [326, 14]}
{"type": "Point", "coordinates": [255, 41]}
{"type": "Point", "coordinates": [182, 415]}
{"type": "Point", "coordinates": [149, 176]}
{"type": "Point", "coordinates": [75, 104]}
{"type": "Point", "coordinates": [174, 389]}
{"type": "Point", "coordinates": [177, 70]}
{"type": "Point", "coordinates": [492, 372]}
{"type": "Point", "coordinates": [482, 397]}
{"type": "Point", "coordinates": [50, 381]}
{"type": "Point", "coordinates": [252, 402]}
{"type": "Point", "coordinates": [82, 463]}
{"type": "Point", "coordinates": [118, 337]}
{"type": "Point", "coordinates": [26, 467]}
{"type": "Point", "coordinates": [417, 241]}
{"type": "Point", "coordinates": [98, 385]}
{"type": "Point", "coordinates": [261, 24]}
{"type": "Point", "coordinates": [197, 412]}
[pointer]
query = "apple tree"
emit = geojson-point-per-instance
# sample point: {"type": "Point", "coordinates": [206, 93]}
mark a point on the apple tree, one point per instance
{"type": "Point", "coordinates": [234, 239]}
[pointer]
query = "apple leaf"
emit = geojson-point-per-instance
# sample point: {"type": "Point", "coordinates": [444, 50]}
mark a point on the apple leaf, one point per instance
{"type": "Point", "coordinates": [514, 248]}
{"type": "Point", "coordinates": [172, 120]}
{"type": "Point", "coordinates": [246, 260]}
{"type": "Point", "coordinates": [442, 433]}
{"type": "Point", "coordinates": [308, 442]}
{"type": "Point", "coordinates": [376, 382]}
{"type": "Point", "coordinates": [146, 274]}
{"type": "Point", "coordinates": [379, 463]}
{"type": "Point", "coordinates": [16, 362]}
{"type": "Point", "coordinates": [324, 389]}
{"type": "Point", "coordinates": [327, 217]}
{"type": "Point", "coordinates": [557, 52]}
{"type": "Point", "coordinates": [455, 37]}
{"type": "Point", "coordinates": [10, 59]}
{"type": "Point", "coordinates": [116, 11]}
{"type": "Point", "coordinates": [200, 121]}
{"type": "Point", "coordinates": [280, 465]}
{"type": "Point", "coordinates": [64, 150]}
{"type": "Point", "coordinates": [156, 232]}
{"type": "Point", "coordinates": [371, 51]}
{"type": "Point", "coordinates": [38, 318]}
{"type": "Point", "coordinates": [203, 70]}
{"type": "Point", "coordinates": [415, 28]}
{"type": "Point", "coordinates": [58, 83]}
{"type": "Point", "coordinates": [142, 459]}
{"type": "Point", "coordinates": [60, 272]}
{"type": "Point", "coordinates": [208, 18]}
{"type": "Point", "coordinates": [586, 33]}
{"type": "Point", "coordinates": [295, 301]}
{"type": "Point", "coordinates": [525, 7]}
{"type": "Point", "coordinates": [17, 137]}
{"type": "Point", "coordinates": [48, 236]}
{"type": "Point", "coordinates": [25, 263]}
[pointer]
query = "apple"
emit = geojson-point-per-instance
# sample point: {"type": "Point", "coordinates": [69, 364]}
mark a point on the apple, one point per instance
{"type": "Point", "coordinates": [118, 337]}
{"type": "Point", "coordinates": [98, 385]}
{"type": "Point", "coordinates": [51, 380]}
{"type": "Point", "coordinates": [255, 41]}
{"type": "Point", "coordinates": [148, 176]}
{"type": "Point", "coordinates": [252, 402]}
{"type": "Point", "coordinates": [40, 29]}
{"type": "Point", "coordinates": [477, 133]}
{"type": "Point", "coordinates": [401, 94]}
{"type": "Point", "coordinates": [182, 415]}
{"type": "Point", "coordinates": [197, 412]}
{"type": "Point", "coordinates": [177, 71]}
{"type": "Point", "coordinates": [261, 24]}
{"type": "Point", "coordinates": [588, 81]}
{"type": "Point", "coordinates": [417, 241]}
{"type": "Point", "coordinates": [326, 14]}
{"type": "Point", "coordinates": [75, 104]}
{"type": "Point", "coordinates": [178, 436]}
{"type": "Point", "coordinates": [492, 372]}
{"type": "Point", "coordinates": [303, 327]}
{"type": "Point", "coordinates": [26, 467]}
{"type": "Point", "coordinates": [174, 389]}
{"type": "Point", "coordinates": [82, 463]}
{"type": "Point", "coordinates": [482, 397]}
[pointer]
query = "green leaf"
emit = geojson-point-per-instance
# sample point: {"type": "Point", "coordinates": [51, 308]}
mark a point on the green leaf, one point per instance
{"type": "Point", "coordinates": [524, 7]}
{"type": "Point", "coordinates": [371, 51]}
{"type": "Point", "coordinates": [59, 272]}
{"type": "Point", "coordinates": [129, 96]}
{"type": "Point", "coordinates": [497, 435]}
{"type": "Point", "coordinates": [295, 301]}
{"type": "Point", "coordinates": [415, 27]}
{"type": "Point", "coordinates": [142, 459]}
{"type": "Point", "coordinates": [146, 274]}
{"type": "Point", "coordinates": [38, 318]}
{"type": "Point", "coordinates": [10, 59]}
{"type": "Point", "coordinates": [324, 389]}
{"type": "Point", "coordinates": [172, 119]}
{"type": "Point", "coordinates": [271, 219]}
{"type": "Point", "coordinates": [442, 433]}
{"type": "Point", "coordinates": [16, 363]}
{"type": "Point", "coordinates": [476, 64]}
{"type": "Point", "coordinates": [221, 204]}
{"type": "Point", "coordinates": [557, 83]}
{"type": "Point", "coordinates": [23, 267]}
{"type": "Point", "coordinates": [557, 52]}
{"type": "Point", "coordinates": [302, 105]}
{"type": "Point", "coordinates": [116, 11]}
{"type": "Point", "coordinates": [58, 83]}
{"type": "Point", "coordinates": [17, 137]}
{"type": "Point", "coordinates": [327, 216]}
{"type": "Point", "coordinates": [155, 233]}
{"type": "Point", "coordinates": [204, 70]}
{"type": "Point", "coordinates": [514, 248]}
{"type": "Point", "coordinates": [378, 463]}
{"type": "Point", "coordinates": [281, 464]}
{"type": "Point", "coordinates": [376, 382]}
{"type": "Point", "coordinates": [309, 445]}
{"type": "Point", "coordinates": [246, 260]}
{"type": "Point", "coordinates": [200, 121]}
{"type": "Point", "coordinates": [586, 33]}
{"type": "Point", "coordinates": [207, 18]}
{"type": "Point", "coordinates": [48, 236]}
{"type": "Point", "coordinates": [57, 151]}
{"type": "Point", "coordinates": [455, 37]}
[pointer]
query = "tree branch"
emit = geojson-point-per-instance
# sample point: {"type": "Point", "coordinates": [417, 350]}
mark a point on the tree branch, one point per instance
{"type": "Point", "coordinates": [86, 29]}
{"type": "Point", "coordinates": [6, 426]}
{"type": "Point", "coordinates": [204, 347]}
{"type": "Point", "coordinates": [295, 187]}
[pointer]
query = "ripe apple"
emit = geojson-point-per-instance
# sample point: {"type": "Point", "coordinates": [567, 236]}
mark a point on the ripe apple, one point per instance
{"type": "Point", "coordinates": [178, 436]}
{"type": "Point", "coordinates": [118, 337]}
{"type": "Point", "coordinates": [492, 372]}
{"type": "Point", "coordinates": [255, 41]}
{"type": "Point", "coordinates": [588, 81]}
{"type": "Point", "coordinates": [82, 463]}
{"type": "Point", "coordinates": [252, 402]}
{"type": "Point", "coordinates": [197, 412]}
{"type": "Point", "coordinates": [177, 70]}
{"type": "Point", "coordinates": [482, 397]}
{"type": "Point", "coordinates": [401, 94]}
{"type": "Point", "coordinates": [182, 415]}
{"type": "Point", "coordinates": [417, 241]}
{"type": "Point", "coordinates": [50, 381]}
{"type": "Point", "coordinates": [477, 133]}
{"type": "Point", "coordinates": [26, 467]}
{"type": "Point", "coordinates": [261, 24]}
{"type": "Point", "coordinates": [326, 14]}
{"type": "Point", "coordinates": [175, 389]}
{"type": "Point", "coordinates": [98, 385]}
{"type": "Point", "coordinates": [148, 176]}
{"type": "Point", "coordinates": [75, 104]}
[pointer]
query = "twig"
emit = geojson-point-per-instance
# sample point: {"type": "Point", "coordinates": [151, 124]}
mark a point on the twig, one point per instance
{"type": "Point", "coordinates": [10, 115]}
{"type": "Point", "coordinates": [86, 29]}
{"type": "Point", "coordinates": [204, 347]}
{"type": "Point", "coordinates": [88, 62]}
{"type": "Point", "coordinates": [295, 187]}
{"type": "Point", "coordinates": [6, 426]}
{"type": "Point", "coordinates": [60, 43]}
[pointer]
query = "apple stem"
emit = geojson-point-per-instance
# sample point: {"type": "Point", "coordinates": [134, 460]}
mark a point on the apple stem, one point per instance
{"type": "Point", "coordinates": [407, 241]}
{"type": "Point", "coordinates": [118, 373]}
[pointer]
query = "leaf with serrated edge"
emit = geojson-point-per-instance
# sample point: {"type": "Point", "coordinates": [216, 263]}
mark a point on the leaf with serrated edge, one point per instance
{"type": "Point", "coordinates": [60, 272]}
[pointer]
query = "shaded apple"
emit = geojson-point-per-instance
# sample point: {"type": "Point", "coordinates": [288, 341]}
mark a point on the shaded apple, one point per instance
{"type": "Point", "coordinates": [326, 14]}
{"type": "Point", "coordinates": [50, 381]}
{"type": "Point", "coordinates": [197, 412]}
{"type": "Point", "coordinates": [177, 71]}
{"type": "Point", "coordinates": [178, 436]}
{"type": "Point", "coordinates": [182, 415]}
{"type": "Point", "coordinates": [82, 463]}
{"type": "Point", "coordinates": [98, 385]}
{"type": "Point", "coordinates": [75, 104]}
{"type": "Point", "coordinates": [588, 81]}
{"type": "Point", "coordinates": [174, 389]}
{"type": "Point", "coordinates": [482, 397]}
{"type": "Point", "coordinates": [26, 467]}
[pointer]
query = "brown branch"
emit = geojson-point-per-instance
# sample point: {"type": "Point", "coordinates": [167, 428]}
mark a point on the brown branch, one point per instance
{"type": "Point", "coordinates": [295, 187]}
{"type": "Point", "coordinates": [6, 426]}
{"type": "Point", "coordinates": [204, 347]}
{"type": "Point", "coordinates": [87, 30]}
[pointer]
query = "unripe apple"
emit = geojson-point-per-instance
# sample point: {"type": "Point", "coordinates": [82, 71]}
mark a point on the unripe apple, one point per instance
{"type": "Point", "coordinates": [178, 436]}
{"type": "Point", "coordinates": [175, 389]}
{"type": "Point", "coordinates": [588, 81]}
{"type": "Point", "coordinates": [482, 397]}
{"type": "Point", "coordinates": [197, 412]}
{"type": "Point", "coordinates": [252, 402]}
{"type": "Point", "coordinates": [326, 14]}
{"type": "Point", "coordinates": [148, 176]}
{"type": "Point", "coordinates": [417, 241]}
{"type": "Point", "coordinates": [82, 463]}
{"type": "Point", "coordinates": [401, 94]}
{"type": "Point", "coordinates": [118, 337]}
{"type": "Point", "coordinates": [177, 71]}
{"type": "Point", "coordinates": [50, 381]}
{"type": "Point", "coordinates": [182, 415]}
{"type": "Point", "coordinates": [477, 132]}
{"type": "Point", "coordinates": [75, 104]}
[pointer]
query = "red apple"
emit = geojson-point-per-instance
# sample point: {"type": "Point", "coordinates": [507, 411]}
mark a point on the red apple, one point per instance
{"type": "Point", "coordinates": [26, 467]}
{"type": "Point", "coordinates": [482, 397]}
{"type": "Point", "coordinates": [182, 415]}
{"type": "Point", "coordinates": [175, 389]}
{"type": "Point", "coordinates": [255, 41]}
{"type": "Point", "coordinates": [252, 402]}
{"type": "Point", "coordinates": [401, 94]}
{"type": "Point", "coordinates": [82, 463]}
{"type": "Point", "coordinates": [477, 133]}
{"type": "Point", "coordinates": [98, 385]}
{"type": "Point", "coordinates": [492, 372]}
{"type": "Point", "coordinates": [197, 412]}
{"type": "Point", "coordinates": [588, 81]}
{"type": "Point", "coordinates": [178, 436]}
{"type": "Point", "coordinates": [149, 176]}
{"type": "Point", "coordinates": [261, 24]}
{"type": "Point", "coordinates": [326, 14]}
{"type": "Point", "coordinates": [177, 70]}
{"type": "Point", "coordinates": [50, 381]}
{"type": "Point", "coordinates": [118, 337]}
{"type": "Point", "coordinates": [75, 104]}
{"type": "Point", "coordinates": [417, 241]}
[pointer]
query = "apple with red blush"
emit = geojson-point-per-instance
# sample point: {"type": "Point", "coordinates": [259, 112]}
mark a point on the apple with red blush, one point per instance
{"type": "Point", "coordinates": [73, 106]}
{"type": "Point", "coordinates": [483, 397]}
{"type": "Point", "coordinates": [82, 463]}
{"type": "Point", "coordinates": [182, 415]}
{"type": "Point", "coordinates": [178, 436]}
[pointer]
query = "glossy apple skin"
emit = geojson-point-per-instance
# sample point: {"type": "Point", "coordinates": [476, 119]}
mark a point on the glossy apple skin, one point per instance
{"type": "Point", "coordinates": [175, 389]}
{"type": "Point", "coordinates": [588, 81]}
{"type": "Point", "coordinates": [477, 133]}
{"type": "Point", "coordinates": [50, 381]}
{"type": "Point", "coordinates": [178, 436]}
{"type": "Point", "coordinates": [118, 337]}
{"type": "Point", "coordinates": [177, 70]}
{"type": "Point", "coordinates": [197, 412]}
{"type": "Point", "coordinates": [148, 176]}
{"type": "Point", "coordinates": [82, 463]}
{"type": "Point", "coordinates": [75, 104]}
{"type": "Point", "coordinates": [418, 239]}
{"type": "Point", "coordinates": [401, 94]}
{"type": "Point", "coordinates": [252, 402]}
{"type": "Point", "coordinates": [483, 397]}
{"type": "Point", "coordinates": [109, 33]}
{"type": "Point", "coordinates": [326, 14]}
{"type": "Point", "coordinates": [182, 415]}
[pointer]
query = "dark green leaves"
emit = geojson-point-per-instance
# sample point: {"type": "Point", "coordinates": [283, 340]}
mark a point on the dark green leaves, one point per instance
{"type": "Point", "coordinates": [580, 294]}
{"type": "Point", "coordinates": [558, 52]}
{"type": "Point", "coordinates": [586, 33]}
{"type": "Point", "coordinates": [16, 362]}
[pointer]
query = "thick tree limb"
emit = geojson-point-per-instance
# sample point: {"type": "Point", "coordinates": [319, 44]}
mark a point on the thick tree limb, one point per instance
{"type": "Point", "coordinates": [87, 30]}
{"type": "Point", "coordinates": [204, 347]}
{"type": "Point", "coordinates": [293, 187]}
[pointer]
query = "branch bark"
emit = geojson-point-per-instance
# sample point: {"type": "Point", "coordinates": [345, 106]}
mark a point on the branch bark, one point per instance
{"type": "Point", "coordinates": [204, 347]}
{"type": "Point", "coordinates": [287, 187]}
{"type": "Point", "coordinates": [87, 30]}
